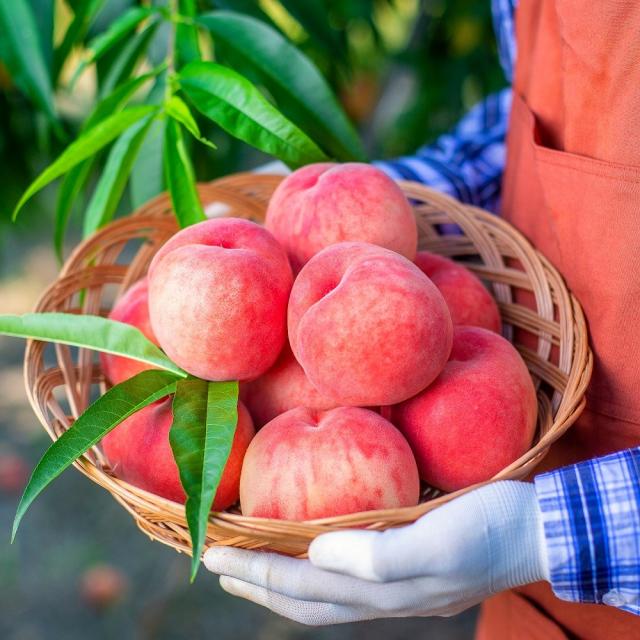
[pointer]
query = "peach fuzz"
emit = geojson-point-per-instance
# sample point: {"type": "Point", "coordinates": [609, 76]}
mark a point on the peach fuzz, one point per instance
{"type": "Point", "coordinates": [326, 203]}
{"type": "Point", "coordinates": [132, 308]}
{"type": "Point", "coordinates": [285, 386]}
{"type": "Point", "coordinates": [139, 452]}
{"type": "Point", "coordinates": [218, 294]}
{"type": "Point", "coordinates": [468, 300]}
{"type": "Point", "coordinates": [476, 418]}
{"type": "Point", "coordinates": [367, 326]}
{"type": "Point", "coordinates": [308, 464]}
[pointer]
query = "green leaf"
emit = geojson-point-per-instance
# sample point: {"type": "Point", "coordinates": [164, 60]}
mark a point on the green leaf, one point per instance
{"type": "Point", "coordinates": [187, 47]}
{"type": "Point", "coordinates": [128, 58]}
{"type": "Point", "coordinates": [84, 16]}
{"type": "Point", "coordinates": [92, 332]}
{"type": "Point", "coordinates": [43, 11]}
{"type": "Point", "coordinates": [180, 178]}
{"type": "Point", "coordinates": [230, 100]}
{"type": "Point", "coordinates": [119, 97]}
{"type": "Point", "coordinates": [293, 80]}
{"type": "Point", "coordinates": [312, 15]}
{"type": "Point", "coordinates": [147, 177]}
{"type": "Point", "coordinates": [73, 183]}
{"type": "Point", "coordinates": [205, 415]}
{"type": "Point", "coordinates": [116, 31]}
{"type": "Point", "coordinates": [114, 177]}
{"type": "Point", "coordinates": [102, 416]}
{"type": "Point", "coordinates": [84, 147]}
{"type": "Point", "coordinates": [179, 111]}
{"type": "Point", "coordinates": [23, 49]}
{"type": "Point", "coordinates": [246, 7]}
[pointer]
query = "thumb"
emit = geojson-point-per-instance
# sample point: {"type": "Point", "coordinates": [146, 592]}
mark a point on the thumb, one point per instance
{"type": "Point", "coordinates": [378, 556]}
{"type": "Point", "coordinates": [348, 552]}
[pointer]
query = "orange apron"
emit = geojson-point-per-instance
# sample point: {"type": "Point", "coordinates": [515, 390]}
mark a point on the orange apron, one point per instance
{"type": "Point", "coordinates": [572, 186]}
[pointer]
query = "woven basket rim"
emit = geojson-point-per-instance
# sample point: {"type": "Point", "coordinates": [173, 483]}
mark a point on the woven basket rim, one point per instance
{"type": "Point", "coordinates": [163, 519]}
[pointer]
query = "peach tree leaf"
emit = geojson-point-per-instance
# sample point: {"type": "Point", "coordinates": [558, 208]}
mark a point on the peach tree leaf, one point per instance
{"type": "Point", "coordinates": [234, 103]}
{"type": "Point", "coordinates": [102, 416]}
{"type": "Point", "coordinates": [86, 146]}
{"type": "Point", "coordinates": [299, 89]}
{"type": "Point", "coordinates": [92, 332]}
{"type": "Point", "coordinates": [205, 415]}
{"type": "Point", "coordinates": [180, 177]}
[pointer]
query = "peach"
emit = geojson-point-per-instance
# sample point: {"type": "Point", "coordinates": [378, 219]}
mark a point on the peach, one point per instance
{"type": "Point", "coordinates": [468, 300]}
{"type": "Point", "coordinates": [309, 464]}
{"type": "Point", "coordinates": [326, 203]}
{"type": "Point", "coordinates": [367, 326]}
{"type": "Point", "coordinates": [139, 452]}
{"type": "Point", "coordinates": [285, 386]}
{"type": "Point", "coordinates": [476, 418]}
{"type": "Point", "coordinates": [132, 308]}
{"type": "Point", "coordinates": [218, 294]}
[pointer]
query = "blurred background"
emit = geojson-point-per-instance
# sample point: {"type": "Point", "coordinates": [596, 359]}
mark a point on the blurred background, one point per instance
{"type": "Point", "coordinates": [405, 71]}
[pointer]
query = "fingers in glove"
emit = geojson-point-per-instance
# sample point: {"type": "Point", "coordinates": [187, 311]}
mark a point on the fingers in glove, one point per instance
{"type": "Point", "coordinates": [303, 611]}
{"type": "Point", "coordinates": [299, 580]}
{"type": "Point", "coordinates": [288, 576]}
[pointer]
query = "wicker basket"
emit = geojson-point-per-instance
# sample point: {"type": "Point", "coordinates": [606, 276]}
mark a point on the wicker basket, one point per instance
{"type": "Point", "coordinates": [61, 381]}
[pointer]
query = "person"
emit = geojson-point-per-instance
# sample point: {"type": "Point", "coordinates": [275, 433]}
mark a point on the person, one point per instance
{"type": "Point", "coordinates": [557, 558]}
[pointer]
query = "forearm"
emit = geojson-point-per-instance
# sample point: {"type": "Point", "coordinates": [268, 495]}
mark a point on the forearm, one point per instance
{"type": "Point", "coordinates": [591, 518]}
{"type": "Point", "coordinates": [466, 163]}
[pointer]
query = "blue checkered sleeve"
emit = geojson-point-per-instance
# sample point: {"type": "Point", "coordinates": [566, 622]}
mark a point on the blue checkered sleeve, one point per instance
{"type": "Point", "coordinates": [467, 163]}
{"type": "Point", "coordinates": [591, 516]}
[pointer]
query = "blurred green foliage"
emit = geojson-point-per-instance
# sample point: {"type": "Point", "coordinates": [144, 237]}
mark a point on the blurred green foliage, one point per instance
{"type": "Point", "coordinates": [405, 70]}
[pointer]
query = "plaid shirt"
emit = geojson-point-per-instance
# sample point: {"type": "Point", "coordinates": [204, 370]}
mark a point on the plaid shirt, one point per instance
{"type": "Point", "coordinates": [591, 511]}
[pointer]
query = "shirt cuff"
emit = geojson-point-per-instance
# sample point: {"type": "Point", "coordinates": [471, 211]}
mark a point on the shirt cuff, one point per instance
{"type": "Point", "coordinates": [591, 519]}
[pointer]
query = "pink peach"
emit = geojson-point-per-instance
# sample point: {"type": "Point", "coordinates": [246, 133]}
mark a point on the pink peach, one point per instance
{"type": "Point", "coordinates": [285, 386]}
{"type": "Point", "coordinates": [132, 308]}
{"type": "Point", "coordinates": [468, 300]}
{"type": "Point", "coordinates": [476, 418]}
{"type": "Point", "coordinates": [367, 326]}
{"type": "Point", "coordinates": [309, 464]}
{"type": "Point", "coordinates": [218, 294]}
{"type": "Point", "coordinates": [139, 452]}
{"type": "Point", "coordinates": [323, 204]}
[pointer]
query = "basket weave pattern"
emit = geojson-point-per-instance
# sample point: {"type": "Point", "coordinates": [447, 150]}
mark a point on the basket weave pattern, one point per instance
{"type": "Point", "coordinates": [61, 381]}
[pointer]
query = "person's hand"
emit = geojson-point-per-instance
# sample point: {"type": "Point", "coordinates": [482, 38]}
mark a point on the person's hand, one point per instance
{"type": "Point", "coordinates": [477, 545]}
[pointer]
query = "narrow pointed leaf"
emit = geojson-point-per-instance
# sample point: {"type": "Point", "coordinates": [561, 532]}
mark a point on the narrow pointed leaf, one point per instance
{"type": "Point", "coordinates": [205, 415]}
{"type": "Point", "coordinates": [117, 30]}
{"type": "Point", "coordinates": [74, 182]}
{"type": "Point", "coordinates": [180, 178]}
{"type": "Point", "coordinates": [230, 100]}
{"type": "Point", "coordinates": [93, 332]}
{"type": "Point", "coordinates": [86, 12]}
{"type": "Point", "coordinates": [84, 147]}
{"type": "Point", "coordinates": [299, 89]}
{"type": "Point", "coordinates": [178, 110]}
{"type": "Point", "coordinates": [115, 101]}
{"type": "Point", "coordinates": [23, 49]}
{"type": "Point", "coordinates": [102, 416]}
{"type": "Point", "coordinates": [147, 175]}
{"type": "Point", "coordinates": [128, 58]}
{"type": "Point", "coordinates": [113, 180]}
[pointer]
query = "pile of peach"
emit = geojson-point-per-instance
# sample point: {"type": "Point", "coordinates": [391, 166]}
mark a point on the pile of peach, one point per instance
{"type": "Point", "coordinates": [365, 366]}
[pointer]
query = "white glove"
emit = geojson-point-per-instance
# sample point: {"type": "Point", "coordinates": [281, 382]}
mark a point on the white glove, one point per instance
{"type": "Point", "coordinates": [477, 545]}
